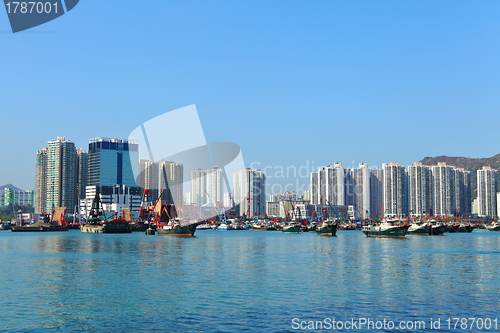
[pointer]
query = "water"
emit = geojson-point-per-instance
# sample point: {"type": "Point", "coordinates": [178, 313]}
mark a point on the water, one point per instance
{"type": "Point", "coordinates": [234, 281]}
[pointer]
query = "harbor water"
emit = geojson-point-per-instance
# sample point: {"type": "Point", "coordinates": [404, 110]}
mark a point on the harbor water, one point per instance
{"type": "Point", "coordinates": [234, 281]}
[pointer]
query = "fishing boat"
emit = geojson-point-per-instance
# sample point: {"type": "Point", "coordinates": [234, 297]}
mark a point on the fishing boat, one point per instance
{"type": "Point", "coordinates": [327, 228]}
{"type": "Point", "coordinates": [460, 228]}
{"type": "Point", "coordinates": [426, 229]}
{"type": "Point", "coordinates": [386, 229]}
{"type": "Point", "coordinates": [175, 228]}
{"type": "Point", "coordinates": [4, 226]}
{"type": "Point", "coordinates": [494, 226]}
{"type": "Point", "coordinates": [291, 228]}
{"type": "Point", "coordinates": [224, 226]}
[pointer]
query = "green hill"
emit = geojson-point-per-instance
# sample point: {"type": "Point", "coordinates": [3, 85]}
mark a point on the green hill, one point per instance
{"type": "Point", "coordinates": [470, 164]}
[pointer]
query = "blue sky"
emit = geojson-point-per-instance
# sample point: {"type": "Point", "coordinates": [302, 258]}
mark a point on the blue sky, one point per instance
{"type": "Point", "coordinates": [290, 82]}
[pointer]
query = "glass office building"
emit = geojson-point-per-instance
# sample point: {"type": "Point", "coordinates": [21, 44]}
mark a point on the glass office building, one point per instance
{"type": "Point", "coordinates": [110, 162]}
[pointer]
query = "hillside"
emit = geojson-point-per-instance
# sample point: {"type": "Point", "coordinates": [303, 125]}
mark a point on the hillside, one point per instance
{"type": "Point", "coordinates": [8, 186]}
{"type": "Point", "coordinates": [470, 164]}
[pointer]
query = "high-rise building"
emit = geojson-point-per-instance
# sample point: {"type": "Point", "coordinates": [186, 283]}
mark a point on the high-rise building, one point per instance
{"type": "Point", "coordinates": [336, 185]}
{"type": "Point", "coordinates": [198, 187]}
{"type": "Point", "coordinates": [250, 191]}
{"type": "Point", "coordinates": [359, 190]}
{"type": "Point", "coordinates": [149, 173]}
{"type": "Point", "coordinates": [314, 188]}
{"type": "Point", "coordinates": [41, 181]}
{"type": "Point", "coordinates": [419, 189]}
{"type": "Point", "coordinates": [376, 192]}
{"type": "Point", "coordinates": [62, 175]}
{"type": "Point", "coordinates": [215, 184]}
{"type": "Point", "coordinates": [443, 189]}
{"type": "Point", "coordinates": [83, 171]}
{"type": "Point", "coordinates": [112, 162]}
{"type": "Point", "coordinates": [395, 190]}
{"type": "Point", "coordinates": [486, 191]}
{"type": "Point", "coordinates": [171, 179]}
{"type": "Point", "coordinates": [462, 191]}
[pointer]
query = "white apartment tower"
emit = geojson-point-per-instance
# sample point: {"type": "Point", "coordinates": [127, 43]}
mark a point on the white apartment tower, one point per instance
{"type": "Point", "coordinates": [149, 173]}
{"type": "Point", "coordinates": [360, 188]}
{"type": "Point", "coordinates": [198, 187]}
{"type": "Point", "coordinates": [215, 184]}
{"type": "Point", "coordinates": [443, 189]}
{"type": "Point", "coordinates": [250, 191]}
{"type": "Point", "coordinates": [486, 191]}
{"type": "Point", "coordinates": [171, 178]}
{"type": "Point", "coordinates": [419, 189]}
{"type": "Point", "coordinates": [395, 190]}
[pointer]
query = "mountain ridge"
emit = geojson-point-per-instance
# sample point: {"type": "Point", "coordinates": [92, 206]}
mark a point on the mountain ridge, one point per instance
{"type": "Point", "coordinates": [470, 164]}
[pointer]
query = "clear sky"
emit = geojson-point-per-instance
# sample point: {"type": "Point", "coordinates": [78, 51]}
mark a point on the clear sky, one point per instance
{"type": "Point", "coordinates": [293, 83]}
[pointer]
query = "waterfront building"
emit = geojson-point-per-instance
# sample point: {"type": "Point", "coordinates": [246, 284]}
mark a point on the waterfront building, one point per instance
{"type": "Point", "coordinates": [337, 179]}
{"type": "Point", "coordinates": [149, 173]}
{"type": "Point", "coordinates": [314, 188]}
{"type": "Point", "coordinates": [83, 171]}
{"type": "Point", "coordinates": [112, 162]}
{"type": "Point", "coordinates": [273, 209]}
{"type": "Point", "coordinates": [228, 200]}
{"type": "Point", "coordinates": [171, 178]}
{"type": "Point", "coordinates": [18, 197]}
{"type": "Point", "coordinates": [198, 187]}
{"type": "Point", "coordinates": [462, 191]}
{"type": "Point", "coordinates": [287, 196]}
{"type": "Point", "coordinates": [443, 189]}
{"type": "Point", "coordinates": [359, 190]}
{"type": "Point", "coordinates": [475, 205]}
{"type": "Point", "coordinates": [113, 199]}
{"type": "Point", "coordinates": [419, 189]}
{"type": "Point", "coordinates": [395, 192]}
{"type": "Point", "coordinates": [339, 186]}
{"type": "Point", "coordinates": [306, 196]}
{"type": "Point", "coordinates": [376, 192]}
{"type": "Point", "coordinates": [41, 181]}
{"type": "Point", "coordinates": [61, 183]}
{"type": "Point", "coordinates": [215, 184]}
{"type": "Point", "coordinates": [486, 191]}
{"type": "Point", "coordinates": [250, 191]}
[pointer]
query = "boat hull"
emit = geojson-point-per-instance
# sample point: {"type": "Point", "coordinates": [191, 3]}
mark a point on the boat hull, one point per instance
{"type": "Point", "coordinates": [39, 228]}
{"type": "Point", "coordinates": [494, 228]}
{"type": "Point", "coordinates": [427, 231]}
{"type": "Point", "coordinates": [107, 228]}
{"type": "Point", "coordinates": [185, 230]}
{"type": "Point", "coordinates": [392, 232]}
{"type": "Point", "coordinates": [295, 229]}
{"type": "Point", "coordinates": [461, 229]}
{"type": "Point", "coordinates": [330, 230]}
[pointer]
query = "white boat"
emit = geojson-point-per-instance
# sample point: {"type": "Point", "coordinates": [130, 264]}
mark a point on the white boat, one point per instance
{"type": "Point", "coordinates": [224, 226]}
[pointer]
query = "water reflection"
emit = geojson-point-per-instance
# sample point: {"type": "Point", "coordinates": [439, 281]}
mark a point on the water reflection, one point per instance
{"type": "Point", "coordinates": [73, 281]}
